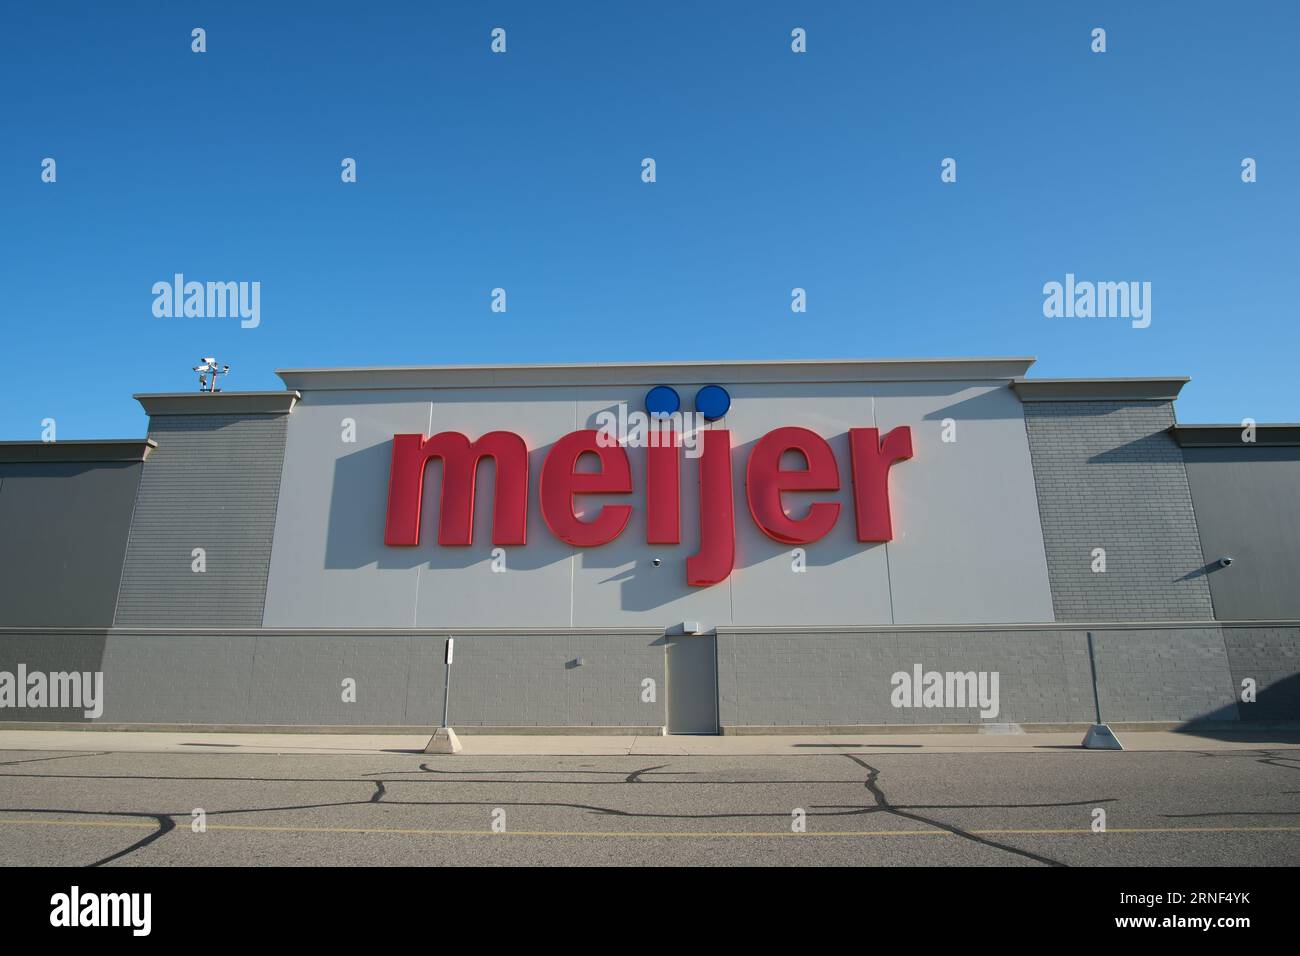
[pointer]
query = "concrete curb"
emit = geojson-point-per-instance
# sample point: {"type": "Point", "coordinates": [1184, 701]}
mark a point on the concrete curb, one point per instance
{"type": "Point", "coordinates": [344, 729]}
{"type": "Point", "coordinates": [1167, 726]}
{"type": "Point", "coordinates": [788, 730]}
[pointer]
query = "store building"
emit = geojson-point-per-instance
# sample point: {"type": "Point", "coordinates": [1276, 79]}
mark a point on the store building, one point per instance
{"type": "Point", "coordinates": [298, 558]}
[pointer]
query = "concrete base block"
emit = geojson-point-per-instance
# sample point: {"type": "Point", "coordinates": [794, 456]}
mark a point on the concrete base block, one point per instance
{"type": "Point", "coordinates": [443, 741]}
{"type": "Point", "coordinates": [1101, 737]}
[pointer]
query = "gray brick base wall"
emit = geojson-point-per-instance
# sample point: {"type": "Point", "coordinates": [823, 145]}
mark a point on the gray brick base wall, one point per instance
{"type": "Point", "coordinates": [1108, 475]}
{"type": "Point", "coordinates": [810, 678]}
{"type": "Point", "coordinates": [1177, 674]}
{"type": "Point", "coordinates": [213, 483]}
{"type": "Point", "coordinates": [843, 678]}
{"type": "Point", "coordinates": [1271, 657]}
{"type": "Point", "coordinates": [269, 678]}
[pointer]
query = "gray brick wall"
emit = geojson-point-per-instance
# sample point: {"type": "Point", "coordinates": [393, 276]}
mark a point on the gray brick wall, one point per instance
{"type": "Point", "coordinates": [277, 678]}
{"type": "Point", "coordinates": [213, 482]}
{"type": "Point", "coordinates": [524, 680]}
{"type": "Point", "coordinates": [1271, 656]}
{"type": "Point", "coordinates": [1179, 674]}
{"type": "Point", "coordinates": [813, 678]}
{"type": "Point", "coordinates": [1109, 476]}
{"type": "Point", "coordinates": [843, 678]}
{"type": "Point", "coordinates": [530, 679]}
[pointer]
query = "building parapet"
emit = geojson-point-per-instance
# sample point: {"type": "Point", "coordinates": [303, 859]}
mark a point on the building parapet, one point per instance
{"type": "Point", "coordinates": [66, 452]}
{"type": "Point", "coordinates": [1099, 389]}
{"type": "Point", "coordinates": [653, 373]}
{"type": "Point", "coordinates": [218, 403]}
{"type": "Point", "coordinates": [1230, 436]}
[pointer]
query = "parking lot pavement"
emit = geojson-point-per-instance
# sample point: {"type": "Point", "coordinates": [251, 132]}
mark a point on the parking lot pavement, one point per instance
{"type": "Point", "coordinates": [1220, 804]}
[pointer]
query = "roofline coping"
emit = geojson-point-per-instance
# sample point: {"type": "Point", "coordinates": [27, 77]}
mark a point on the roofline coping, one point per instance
{"type": "Point", "coordinates": [218, 403]}
{"type": "Point", "coordinates": [69, 452]}
{"type": "Point", "coordinates": [655, 373]}
{"type": "Point", "coordinates": [1229, 436]}
{"type": "Point", "coordinates": [1099, 389]}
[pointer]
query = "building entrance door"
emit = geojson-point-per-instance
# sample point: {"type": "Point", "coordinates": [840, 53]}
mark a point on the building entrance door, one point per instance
{"type": "Point", "coordinates": [693, 685]}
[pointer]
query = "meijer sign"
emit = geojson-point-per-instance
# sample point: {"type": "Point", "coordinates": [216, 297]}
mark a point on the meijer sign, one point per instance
{"type": "Point", "coordinates": [871, 458]}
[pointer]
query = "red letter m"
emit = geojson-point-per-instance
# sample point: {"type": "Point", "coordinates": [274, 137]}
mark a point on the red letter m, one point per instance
{"type": "Point", "coordinates": [460, 458]}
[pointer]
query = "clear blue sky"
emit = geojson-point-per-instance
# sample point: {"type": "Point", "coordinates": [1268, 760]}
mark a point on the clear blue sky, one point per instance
{"type": "Point", "coordinates": [522, 171]}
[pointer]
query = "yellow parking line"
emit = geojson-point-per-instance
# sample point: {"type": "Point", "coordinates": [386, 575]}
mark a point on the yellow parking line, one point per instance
{"type": "Point", "coordinates": [619, 834]}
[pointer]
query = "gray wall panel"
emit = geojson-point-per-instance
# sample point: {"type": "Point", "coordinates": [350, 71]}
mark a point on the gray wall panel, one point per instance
{"type": "Point", "coordinates": [1110, 476]}
{"type": "Point", "coordinates": [1248, 506]}
{"type": "Point", "coordinates": [63, 533]}
{"type": "Point", "coordinates": [968, 546]}
{"type": "Point", "coordinates": [212, 483]}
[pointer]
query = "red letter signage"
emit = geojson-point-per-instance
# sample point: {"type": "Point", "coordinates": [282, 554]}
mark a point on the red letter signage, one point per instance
{"type": "Point", "coordinates": [663, 491]}
{"type": "Point", "coordinates": [717, 554]}
{"type": "Point", "coordinates": [560, 482]}
{"type": "Point", "coordinates": [460, 458]}
{"type": "Point", "coordinates": [765, 480]}
{"type": "Point", "coordinates": [871, 463]}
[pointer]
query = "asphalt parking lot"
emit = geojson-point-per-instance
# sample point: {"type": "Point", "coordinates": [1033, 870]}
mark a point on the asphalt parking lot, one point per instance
{"type": "Point", "coordinates": [877, 807]}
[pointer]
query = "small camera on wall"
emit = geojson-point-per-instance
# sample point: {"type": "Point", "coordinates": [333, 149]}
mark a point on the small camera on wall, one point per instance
{"type": "Point", "coordinates": [658, 561]}
{"type": "Point", "coordinates": [1225, 561]}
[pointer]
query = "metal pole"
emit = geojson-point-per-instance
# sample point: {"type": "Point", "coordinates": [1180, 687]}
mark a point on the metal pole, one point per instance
{"type": "Point", "coordinates": [1092, 663]}
{"type": "Point", "coordinates": [446, 681]}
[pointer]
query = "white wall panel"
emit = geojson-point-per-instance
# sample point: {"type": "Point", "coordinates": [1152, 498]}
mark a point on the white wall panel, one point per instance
{"type": "Point", "coordinates": [968, 546]}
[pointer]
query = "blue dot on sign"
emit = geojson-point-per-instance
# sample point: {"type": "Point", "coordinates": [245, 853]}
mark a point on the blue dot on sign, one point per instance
{"type": "Point", "coordinates": [712, 401]}
{"type": "Point", "coordinates": [662, 400]}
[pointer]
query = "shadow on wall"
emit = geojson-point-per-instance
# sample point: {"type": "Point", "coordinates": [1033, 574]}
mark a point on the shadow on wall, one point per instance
{"type": "Point", "coordinates": [1202, 571]}
{"type": "Point", "coordinates": [1156, 448]}
{"type": "Point", "coordinates": [1274, 717]}
{"type": "Point", "coordinates": [359, 504]}
{"type": "Point", "coordinates": [1279, 700]}
{"type": "Point", "coordinates": [986, 406]}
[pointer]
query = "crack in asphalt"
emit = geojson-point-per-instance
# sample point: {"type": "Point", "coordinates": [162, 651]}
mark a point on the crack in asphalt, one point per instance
{"type": "Point", "coordinates": [635, 776]}
{"type": "Point", "coordinates": [1272, 758]}
{"type": "Point", "coordinates": [166, 822]}
{"type": "Point", "coordinates": [1234, 813]}
{"type": "Point", "coordinates": [882, 804]}
{"type": "Point", "coordinates": [976, 806]}
{"type": "Point", "coordinates": [100, 753]}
